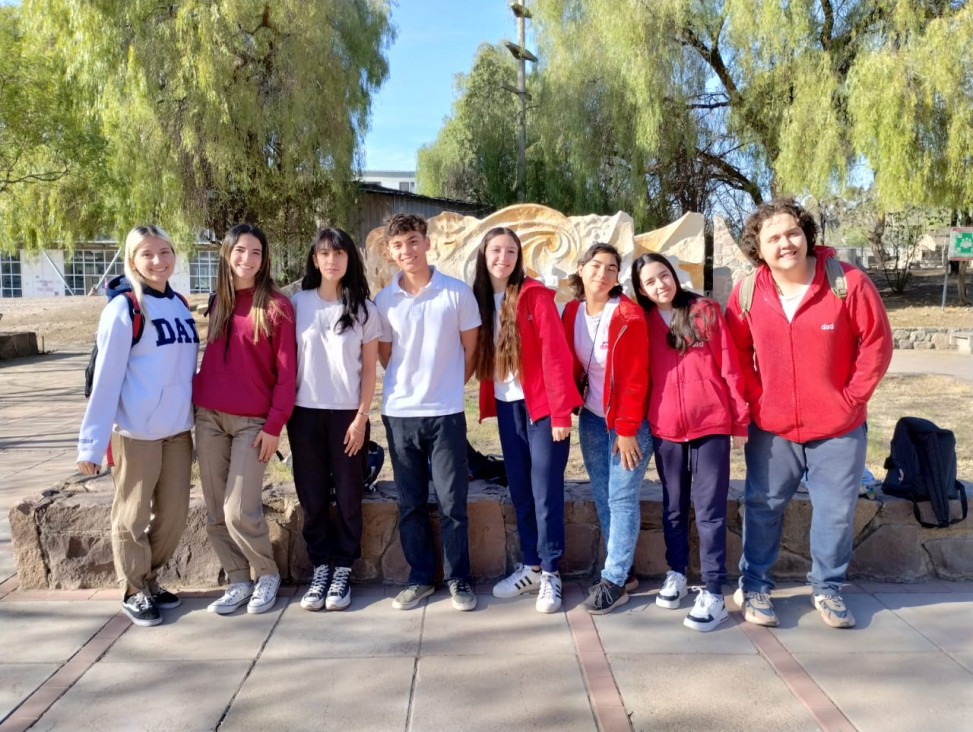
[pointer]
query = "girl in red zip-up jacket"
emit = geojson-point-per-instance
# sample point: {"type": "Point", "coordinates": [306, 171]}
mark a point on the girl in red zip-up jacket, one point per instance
{"type": "Point", "coordinates": [606, 333]}
{"type": "Point", "coordinates": [695, 404]}
{"type": "Point", "coordinates": [526, 382]}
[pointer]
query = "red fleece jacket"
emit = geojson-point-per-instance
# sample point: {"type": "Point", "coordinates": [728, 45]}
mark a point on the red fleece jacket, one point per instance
{"type": "Point", "coordinates": [627, 370]}
{"type": "Point", "coordinates": [699, 392]}
{"type": "Point", "coordinates": [811, 378]}
{"type": "Point", "coordinates": [545, 361]}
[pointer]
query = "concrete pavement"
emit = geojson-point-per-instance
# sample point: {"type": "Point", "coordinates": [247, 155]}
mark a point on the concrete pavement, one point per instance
{"type": "Point", "coordinates": [70, 661]}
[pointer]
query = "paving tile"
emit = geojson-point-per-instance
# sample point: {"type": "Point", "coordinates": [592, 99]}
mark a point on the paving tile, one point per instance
{"type": "Point", "coordinates": [644, 627]}
{"type": "Point", "coordinates": [878, 629]}
{"type": "Point", "coordinates": [501, 693]}
{"type": "Point", "coordinates": [49, 632]}
{"type": "Point", "coordinates": [964, 659]}
{"type": "Point", "coordinates": [895, 692]}
{"type": "Point", "coordinates": [707, 692]}
{"type": "Point", "coordinates": [18, 680]}
{"type": "Point", "coordinates": [178, 696]}
{"type": "Point", "coordinates": [495, 627]}
{"type": "Point", "coordinates": [370, 627]}
{"type": "Point", "coordinates": [323, 694]}
{"type": "Point", "coordinates": [942, 618]}
{"type": "Point", "coordinates": [190, 633]}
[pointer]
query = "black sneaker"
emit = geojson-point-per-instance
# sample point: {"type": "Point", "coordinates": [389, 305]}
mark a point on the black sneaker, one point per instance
{"type": "Point", "coordinates": [141, 610]}
{"type": "Point", "coordinates": [605, 597]}
{"type": "Point", "coordinates": [339, 594]}
{"type": "Point", "coordinates": [165, 600]}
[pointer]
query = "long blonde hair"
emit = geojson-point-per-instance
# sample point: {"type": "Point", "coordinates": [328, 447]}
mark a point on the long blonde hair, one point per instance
{"type": "Point", "coordinates": [264, 307]}
{"type": "Point", "coordinates": [132, 243]}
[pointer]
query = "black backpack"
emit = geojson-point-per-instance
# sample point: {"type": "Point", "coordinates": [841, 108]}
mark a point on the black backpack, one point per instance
{"type": "Point", "coordinates": [922, 467]}
{"type": "Point", "coordinates": [120, 286]}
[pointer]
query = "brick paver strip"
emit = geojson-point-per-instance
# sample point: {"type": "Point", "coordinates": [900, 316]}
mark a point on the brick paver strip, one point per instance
{"type": "Point", "coordinates": [606, 702]}
{"type": "Point", "coordinates": [35, 705]}
{"type": "Point", "coordinates": [800, 683]}
{"type": "Point", "coordinates": [9, 585]}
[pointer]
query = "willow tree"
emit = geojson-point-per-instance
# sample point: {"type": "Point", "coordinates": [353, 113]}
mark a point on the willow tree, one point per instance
{"type": "Point", "coordinates": [216, 112]}
{"type": "Point", "coordinates": [782, 96]}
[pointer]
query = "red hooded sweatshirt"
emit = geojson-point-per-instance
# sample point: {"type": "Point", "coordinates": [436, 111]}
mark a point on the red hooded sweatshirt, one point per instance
{"type": "Point", "coordinates": [811, 378]}
{"type": "Point", "coordinates": [627, 370]}
{"type": "Point", "coordinates": [545, 361]}
{"type": "Point", "coordinates": [699, 392]}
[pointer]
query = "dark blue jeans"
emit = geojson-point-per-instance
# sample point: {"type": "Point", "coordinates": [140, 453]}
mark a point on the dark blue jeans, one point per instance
{"type": "Point", "coordinates": [416, 445]}
{"type": "Point", "coordinates": [535, 473]}
{"type": "Point", "coordinates": [698, 470]}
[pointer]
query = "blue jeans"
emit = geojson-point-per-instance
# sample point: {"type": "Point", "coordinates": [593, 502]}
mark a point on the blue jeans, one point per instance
{"type": "Point", "coordinates": [774, 470]}
{"type": "Point", "coordinates": [419, 446]}
{"type": "Point", "coordinates": [615, 490]}
{"type": "Point", "coordinates": [535, 473]}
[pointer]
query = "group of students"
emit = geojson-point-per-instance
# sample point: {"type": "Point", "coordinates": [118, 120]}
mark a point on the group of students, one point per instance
{"type": "Point", "coordinates": [786, 374]}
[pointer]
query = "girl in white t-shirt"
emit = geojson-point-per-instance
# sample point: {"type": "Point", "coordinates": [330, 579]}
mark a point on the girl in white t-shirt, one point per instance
{"type": "Point", "coordinates": [337, 348]}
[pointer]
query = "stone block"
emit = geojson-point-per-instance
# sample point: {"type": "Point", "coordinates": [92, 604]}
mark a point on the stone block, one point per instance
{"type": "Point", "coordinates": [194, 563]}
{"type": "Point", "coordinates": [941, 341]}
{"type": "Point", "coordinates": [488, 538]}
{"type": "Point", "coordinates": [905, 344]}
{"type": "Point", "coordinates": [924, 346]}
{"type": "Point", "coordinates": [892, 553]}
{"type": "Point", "coordinates": [582, 549]}
{"type": "Point", "coordinates": [18, 345]}
{"type": "Point", "coordinates": [650, 554]}
{"type": "Point", "coordinates": [27, 549]}
{"type": "Point", "coordinates": [379, 519]}
{"type": "Point", "coordinates": [952, 557]}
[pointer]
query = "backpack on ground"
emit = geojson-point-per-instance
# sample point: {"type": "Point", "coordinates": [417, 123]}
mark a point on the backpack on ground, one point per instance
{"type": "Point", "coordinates": [922, 467]}
{"type": "Point", "coordinates": [832, 269]}
{"type": "Point", "coordinates": [120, 286]}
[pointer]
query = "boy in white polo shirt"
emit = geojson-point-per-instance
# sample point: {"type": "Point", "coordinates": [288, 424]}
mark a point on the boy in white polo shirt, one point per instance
{"type": "Point", "coordinates": [427, 347]}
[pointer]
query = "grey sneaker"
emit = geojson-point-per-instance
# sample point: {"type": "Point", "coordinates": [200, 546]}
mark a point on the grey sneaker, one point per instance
{"type": "Point", "coordinates": [264, 594]}
{"type": "Point", "coordinates": [412, 596]}
{"type": "Point", "coordinates": [605, 597]}
{"type": "Point", "coordinates": [463, 596]}
{"type": "Point", "coordinates": [834, 612]}
{"type": "Point", "coordinates": [314, 597]}
{"type": "Point", "coordinates": [163, 599]}
{"type": "Point", "coordinates": [522, 580]}
{"type": "Point", "coordinates": [234, 596]}
{"type": "Point", "coordinates": [673, 590]}
{"type": "Point", "coordinates": [141, 610]}
{"type": "Point", "coordinates": [757, 608]}
{"type": "Point", "coordinates": [339, 594]}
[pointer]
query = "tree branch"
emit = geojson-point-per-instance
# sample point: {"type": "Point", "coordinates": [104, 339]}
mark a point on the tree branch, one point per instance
{"type": "Point", "coordinates": [731, 175]}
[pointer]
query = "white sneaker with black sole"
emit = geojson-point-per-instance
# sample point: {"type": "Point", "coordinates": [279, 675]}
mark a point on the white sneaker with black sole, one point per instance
{"type": "Point", "coordinates": [339, 594]}
{"type": "Point", "coordinates": [708, 612]}
{"type": "Point", "coordinates": [314, 597]}
{"type": "Point", "coordinates": [141, 610]}
{"type": "Point", "coordinates": [549, 595]}
{"type": "Point", "coordinates": [235, 596]}
{"type": "Point", "coordinates": [673, 590]}
{"type": "Point", "coordinates": [521, 581]}
{"type": "Point", "coordinates": [264, 594]}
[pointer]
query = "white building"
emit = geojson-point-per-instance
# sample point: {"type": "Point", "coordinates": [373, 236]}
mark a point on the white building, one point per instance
{"type": "Point", "coordinates": [396, 180]}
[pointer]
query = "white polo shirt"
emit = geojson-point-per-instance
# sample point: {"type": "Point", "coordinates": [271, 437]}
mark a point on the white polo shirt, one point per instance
{"type": "Point", "coordinates": [425, 374]}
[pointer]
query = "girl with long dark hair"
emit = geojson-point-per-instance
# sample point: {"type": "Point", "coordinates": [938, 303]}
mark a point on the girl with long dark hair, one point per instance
{"type": "Point", "coordinates": [244, 394]}
{"type": "Point", "coordinates": [525, 372]}
{"type": "Point", "coordinates": [695, 404]}
{"type": "Point", "coordinates": [337, 349]}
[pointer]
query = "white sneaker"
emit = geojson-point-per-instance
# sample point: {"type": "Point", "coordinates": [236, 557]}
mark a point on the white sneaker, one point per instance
{"type": "Point", "coordinates": [264, 594]}
{"type": "Point", "coordinates": [673, 590]}
{"type": "Point", "coordinates": [523, 579]}
{"type": "Point", "coordinates": [235, 595]}
{"type": "Point", "coordinates": [708, 612]}
{"type": "Point", "coordinates": [314, 597]}
{"type": "Point", "coordinates": [549, 595]}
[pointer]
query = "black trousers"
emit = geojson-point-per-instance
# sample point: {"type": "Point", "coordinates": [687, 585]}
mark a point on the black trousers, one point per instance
{"type": "Point", "coordinates": [322, 473]}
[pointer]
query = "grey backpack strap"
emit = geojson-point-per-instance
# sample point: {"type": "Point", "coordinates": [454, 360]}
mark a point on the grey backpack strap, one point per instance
{"type": "Point", "coordinates": [745, 295]}
{"type": "Point", "coordinates": [836, 277]}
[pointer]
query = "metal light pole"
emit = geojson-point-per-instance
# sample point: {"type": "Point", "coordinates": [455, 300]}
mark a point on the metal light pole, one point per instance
{"type": "Point", "coordinates": [519, 52]}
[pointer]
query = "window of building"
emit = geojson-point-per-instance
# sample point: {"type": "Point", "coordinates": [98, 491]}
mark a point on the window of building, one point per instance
{"type": "Point", "coordinates": [202, 272]}
{"type": "Point", "coordinates": [10, 282]}
{"type": "Point", "coordinates": [86, 268]}
{"type": "Point", "coordinates": [407, 186]}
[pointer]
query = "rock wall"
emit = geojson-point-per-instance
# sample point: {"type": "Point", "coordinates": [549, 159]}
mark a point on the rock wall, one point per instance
{"type": "Point", "coordinates": [62, 540]}
{"type": "Point", "coordinates": [939, 339]}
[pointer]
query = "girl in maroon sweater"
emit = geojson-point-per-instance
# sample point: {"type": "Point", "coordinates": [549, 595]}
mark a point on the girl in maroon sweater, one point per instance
{"type": "Point", "coordinates": [695, 405]}
{"type": "Point", "coordinates": [244, 394]}
{"type": "Point", "coordinates": [525, 371]}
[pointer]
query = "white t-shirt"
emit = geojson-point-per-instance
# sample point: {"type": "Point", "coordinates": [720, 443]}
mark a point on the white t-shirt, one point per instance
{"type": "Point", "coordinates": [666, 316]}
{"type": "Point", "coordinates": [510, 388]}
{"type": "Point", "coordinates": [591, 346]}
{"type": "Point", "coordinates": [790, 302]}
{"type": "Point", "coordinates": [329, 363]}
{"type": "Point", "coordinates": [425, 373]}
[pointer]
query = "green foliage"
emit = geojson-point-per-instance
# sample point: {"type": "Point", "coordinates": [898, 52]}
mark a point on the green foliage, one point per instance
{"type": "Point", "coordinates": [211, 113]}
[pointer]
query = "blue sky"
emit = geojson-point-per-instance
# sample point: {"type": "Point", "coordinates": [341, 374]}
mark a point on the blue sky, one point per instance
{"type": "Point", "coordinates": [436, 40]}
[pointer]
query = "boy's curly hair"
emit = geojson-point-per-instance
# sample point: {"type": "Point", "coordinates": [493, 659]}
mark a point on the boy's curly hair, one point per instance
{"type": "Point", "coordinates": [750, 239]}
